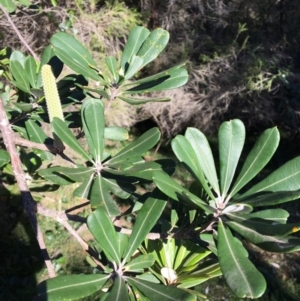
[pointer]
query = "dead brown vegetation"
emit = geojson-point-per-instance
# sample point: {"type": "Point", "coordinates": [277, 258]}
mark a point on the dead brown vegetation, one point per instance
{"type": "Point", "coordinates": [242, 62]}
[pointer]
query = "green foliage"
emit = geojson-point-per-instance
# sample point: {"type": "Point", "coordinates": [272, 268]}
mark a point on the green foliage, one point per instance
{"type": "Point", "coordinates": [71, 287]}
{"type": "Point", "coordinates": [135, 57]}
{"type": "Point", "coordinates": [4, 157]}
{"type": "Point", "coordinates": [231, 209]}
{"type": "Point", "coordinates": [201, 237]}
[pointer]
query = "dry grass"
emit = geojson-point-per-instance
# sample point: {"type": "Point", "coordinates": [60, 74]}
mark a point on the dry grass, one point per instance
{"type": "Point", "coordinates": [35, 26]}
{"type": "Point", "coordinates": [171, 117]}
{"type": "Point", "coordinates": [231, 76]}
{"type": "Point", "coordinates": [104, 31]}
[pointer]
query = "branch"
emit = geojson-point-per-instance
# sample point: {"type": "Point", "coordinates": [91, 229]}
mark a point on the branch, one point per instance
{"type": "Point", "coordinates": [12, 24]}
{"type": "Point", "coordinates": [114, 92]}
{"type": "Point", "coordinates": [62, 218]}
{"type": "Point", "coordinates": [44, 147]}
{"type": "Point", "coordinates": [28, 202]}
{"type": "Point", "coordinates": [26, 143]}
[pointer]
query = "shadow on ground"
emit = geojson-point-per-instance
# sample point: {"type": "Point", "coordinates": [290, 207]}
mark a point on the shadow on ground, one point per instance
{"type": "Point", "coordinates": [20, 257]}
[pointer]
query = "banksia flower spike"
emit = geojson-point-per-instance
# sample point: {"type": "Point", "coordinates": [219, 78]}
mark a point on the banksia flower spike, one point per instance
{"type": "Point", "coordinates": [53, 102]}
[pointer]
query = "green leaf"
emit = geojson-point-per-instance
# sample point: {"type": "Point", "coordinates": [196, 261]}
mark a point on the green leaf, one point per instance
{"type": "Point", "coordinates": [167, 254]}
{"type": "Point", "coordinates": [63, 132]}
{"type": "Point", "coordinates": [8, 5]}
{"type": "Point", "coordinates": [154, 246]}
{"type": "Point", "coordinates": [153, 45]}
{"type": "Point", "coordinates": [204, 156]}
{"type": "Point", "coordinates": [199, 276]}
{"type": "Point", "coordinates": [231, 142]}
{"type": "Point", "coordinates": [111, 63]}
{"type": "Point", "coordinates": [138, 146]}
{"type": "Point", "coordinates": [145, 170]}
{"type": "Point", "coordinates": [102, 228]}
{"type": "Point", "coordinates": [92, 114]}
{"type": "Point", "coordinates": [4, 157]}
{"type": "Point", "coordinates": [31, 71]}
{"type": "Point", "coordinates": [182, 253]}
{"type": "Point", "coordinates": [21, 130]}
{"type": "Point", "coordinates": [74, 55]}
{"type": "Point", "coordinates": [31, 161]}
{"type": "Point", "coordinates": [70, 287]}
{"type": "Point", "coordinates": [148, 277]}
{"type": "Point", "coordinates": [240, 208]}
{"type": "Point", "coordinates": [25, 2]}
{"type": "Point", "coordinates": [240, 274]}
{"type": "Point", "coordinates": [286, 244]}
{"type": "Point", "coordinates": [175, 191]}
{"type": "Point", "coordinates": [209, 268]}
{"type": "Point", "coordinates": [193, 255]}
{"type": "Point", "coordinates": [285, 178]}
{"type": "Point", "coordinates": [53, 175]}
{"type": "Point", "coordinates": [154, 77]}
{"type": "Point", "coordinates": [155, 291]}
{"type": "Point", "coordinates": [24, 106]}
{"type": "Point", "coordinates": [20, 86]}
{"type": "Point", "coordinates": [117, 168]}
{"type": "Point", "coordinates": [138, 101]}
{"type": "Point", "coordinates": [136, 38]}
{"type": "Point", "coordinates": [18, 56]}
{"type": "Point", "coordinates": [47, 54]}
{"type": "Point", "coordinates": [168, 80]}
{"type": "Point", "coordinates": [269, 215]}
{"type": "Point", "coordinates": [276, 215]}
{"type": "Point", "coordinates": [101, 198]}
{"type": "Point", "coordinates": [83, 190]}
{"type": "Point", "coordinates": [146, 219]}
{"type": "Point", "coordinates": [118, 291]}
{"type": "Point", "coordinates": [20, 76]}
{"type": "Point", "coordinates": [257, 159]}
{"type": "Point", "coordinates": [122, 241]}
{"type": "Point", "coordinates": [174, 217]}
{"type": "Point", "coordinates": [209, 239]}
{"type": "Point", "coordinates": [279, 244]}
{"type": "Point", "coordinates": [79, 174]}
{"type": "Point", "coordinates": [120, 189]}
{"type": "Point", "coordinates": [139, 263]}
{"type": "Point", "coordinates": [133, 67]}
{"type": "Point", "coordinates": [116, 133]}
{"type": "Point", "coordinates": [36, 134]}
{"type": "Point", "coordinates": [266, 227]}
{"type": "Point", "coordinates": [186, 154]}
{"type": "Point", "coordinates": [270, 198]}
{"type": "Point", "coordinates": [99, 91]}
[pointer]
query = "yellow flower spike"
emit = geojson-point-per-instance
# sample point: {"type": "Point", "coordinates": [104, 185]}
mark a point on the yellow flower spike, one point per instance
{"type": "Point", "coordinates": [53, 101]}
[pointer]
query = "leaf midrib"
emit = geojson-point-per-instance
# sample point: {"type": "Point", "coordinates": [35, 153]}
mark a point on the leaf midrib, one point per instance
{"type": "Point", "coordinates": [207, 168]}
{"type": "Point", "coordinates": [236, 189]}
{"type": "Point", "coordinates": [234, 259]}
{"type": "Point", "coordinates": [72, 285]}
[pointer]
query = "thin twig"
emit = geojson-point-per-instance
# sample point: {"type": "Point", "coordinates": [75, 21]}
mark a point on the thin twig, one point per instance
{"type": "Point", "coordinates": [62, 218]}
{"type": "Point", "coordinates": [114, 92]}
{"type": "Point", "coordinates": [26, 143]}
{"type": "Point", "coordinates": [23, 41]}
{"type": "Point", "coordinates": [28, 201]}
{"type": "Point", "coordinates": [44, 147]}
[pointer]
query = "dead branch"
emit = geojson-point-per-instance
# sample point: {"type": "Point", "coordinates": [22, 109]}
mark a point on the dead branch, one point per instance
{"type": "Point", "coordinates": [28, 201]}
{"type": "Point", "coordinates": [13, 26]}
